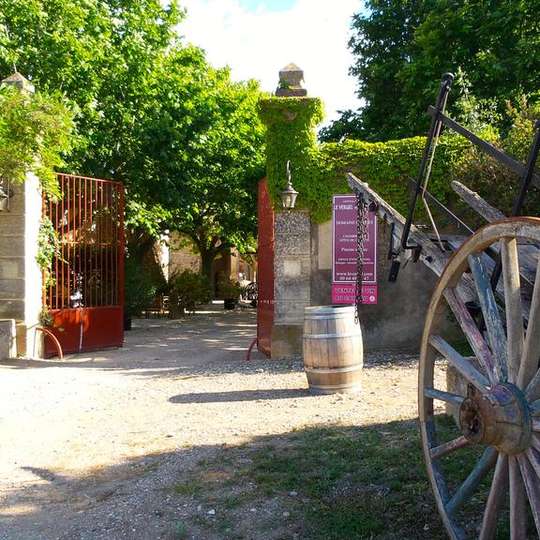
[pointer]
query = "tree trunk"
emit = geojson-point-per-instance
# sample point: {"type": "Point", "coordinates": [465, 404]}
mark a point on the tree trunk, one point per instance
{"type": "Point", "coordinates": [207, 258]}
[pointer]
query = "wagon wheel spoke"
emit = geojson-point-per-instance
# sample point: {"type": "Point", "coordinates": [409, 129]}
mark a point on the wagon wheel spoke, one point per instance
{"type": "Point", "coordinates": [460, 363]}
{"type": "Point", "coordinates": [449, 447]}
{"type": "Point", "coordinates": [531, 348]}
{"type": "Point", "coordinates": [471, 483]}
{"type": "Point", "coordinates": [513, 305]}
{"type": "Point", "coordinates": [534, 458]}
{"type": "Point", "coordinates": [533, 389]}
{"type": "Point", "coordinates": [518, 504]}
{"type": "Point", "coordinates": [532, 487]}
{"type": "Point", "coordinates": [492, 318]}
{"type": "Point", "coordinates": [497, 493]}
{"type": "Point", "coordinates": [447, 397]}
{"type": "Point", "coordinates": [472, 333]}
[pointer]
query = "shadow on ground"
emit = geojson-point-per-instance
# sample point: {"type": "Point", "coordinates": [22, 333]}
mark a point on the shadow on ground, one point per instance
{"type": "Point", "coordinates": [331, 482]}
{"type": "Point", "coordinates": [241, 395]}
{"type": "Point", "coordinates": [207, 343]}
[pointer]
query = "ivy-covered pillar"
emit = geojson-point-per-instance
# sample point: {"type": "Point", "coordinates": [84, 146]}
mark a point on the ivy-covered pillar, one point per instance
{"type": "Point", "coordinates": [291, 118]}
{"type": "Point", "coordinates": [20, 274]}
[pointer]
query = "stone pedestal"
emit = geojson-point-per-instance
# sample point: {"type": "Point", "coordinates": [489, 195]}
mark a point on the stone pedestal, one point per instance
{"type": "Point", "coordinates": [292, 289]}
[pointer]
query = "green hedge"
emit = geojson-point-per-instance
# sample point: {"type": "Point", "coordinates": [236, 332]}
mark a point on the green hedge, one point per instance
{"type": "Point", "coordinates": [319, 170]}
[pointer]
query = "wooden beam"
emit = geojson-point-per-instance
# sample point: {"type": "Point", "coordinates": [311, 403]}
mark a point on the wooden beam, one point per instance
{"type": "Point", "coordinates": [477, 203]}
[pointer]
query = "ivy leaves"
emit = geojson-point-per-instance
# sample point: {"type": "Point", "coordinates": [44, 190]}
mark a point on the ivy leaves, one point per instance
{"type": "Point", "coordinates": [35, 131]}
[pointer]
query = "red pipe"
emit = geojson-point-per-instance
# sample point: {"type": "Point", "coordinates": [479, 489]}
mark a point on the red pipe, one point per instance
{"type": "Point", "coordinates": [54, 340]}
{"type": "Point", "coordinates": [253, 343]}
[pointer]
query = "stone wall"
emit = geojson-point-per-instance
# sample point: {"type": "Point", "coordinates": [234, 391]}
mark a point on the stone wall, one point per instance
{"type": "Point", "coordinates": [182, 255]}
{"type": "Point", "coordinates": [20, 275]}
{"type": "Point", "coordinates": [303, 276]}
{"type": "Point", "coordinates": [397, 321]}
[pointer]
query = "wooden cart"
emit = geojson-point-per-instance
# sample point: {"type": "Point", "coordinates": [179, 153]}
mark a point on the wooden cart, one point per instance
{"type": "Point", "coordinates": [486, 477]}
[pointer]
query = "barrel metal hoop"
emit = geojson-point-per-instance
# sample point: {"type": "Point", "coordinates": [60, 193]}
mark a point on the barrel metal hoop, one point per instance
{"type": "Point", "coordinates": [333, 371]}
{"type": "Point", "coordinates": [332, 336]}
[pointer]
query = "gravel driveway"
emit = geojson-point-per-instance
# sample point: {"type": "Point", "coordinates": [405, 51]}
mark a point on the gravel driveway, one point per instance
{"type": "Point", "coordinates": [91, 446]}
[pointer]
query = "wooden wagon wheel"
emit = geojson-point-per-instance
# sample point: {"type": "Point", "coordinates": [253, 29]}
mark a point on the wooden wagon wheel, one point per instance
{"type": "Point", "coordinates": [499, 417]}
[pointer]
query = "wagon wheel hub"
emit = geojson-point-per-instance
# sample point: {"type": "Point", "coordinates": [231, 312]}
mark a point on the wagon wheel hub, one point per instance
{"type": "Point", "coordinates": [499, 418]}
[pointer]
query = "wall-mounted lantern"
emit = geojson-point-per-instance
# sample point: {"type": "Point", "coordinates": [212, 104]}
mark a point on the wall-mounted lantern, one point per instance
{"type": "Point", "coordinates": [288, 196]}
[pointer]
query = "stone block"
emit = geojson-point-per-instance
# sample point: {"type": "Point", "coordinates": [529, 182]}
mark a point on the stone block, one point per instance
{"type": "Point", "coordinates": [8, 343]}
{"type": "Point", "coordinates": [292, 268]}
{"type": "Point", "coordinates": [11, 223]}
{"type": "Point", "coordinates": [12, 289]}
{"type": "Point", "coordinates": [12, 309]}
{"type": "Point", "coordinates": [11, 245]}
{"type": "Point", "coordinates": [290, 311]}
{"type": "Point", "coordinates": [292, 234]}
{"type": "Point", "coordinates": [11, 267]}
{"type": "Point", "coordinates": [286, 341]}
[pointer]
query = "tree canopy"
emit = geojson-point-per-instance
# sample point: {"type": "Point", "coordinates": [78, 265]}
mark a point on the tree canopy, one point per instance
{"type": "Point", "coordinates": [183, 137]}
{"type": "Point", "coordinates": [402, 47]}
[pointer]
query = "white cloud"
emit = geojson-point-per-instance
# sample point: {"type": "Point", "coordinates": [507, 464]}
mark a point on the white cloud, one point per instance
{"type": "Point", "coordinates": [256, 44]}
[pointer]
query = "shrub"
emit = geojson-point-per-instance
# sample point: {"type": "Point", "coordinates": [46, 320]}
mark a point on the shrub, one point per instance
{"type": "Point", "coordinates": [35, 132]}
{"type": "Point", "coordinates": [228, 289]}
{"type": "Point", "coordinates": [186, 290]}
{"type": "Point", "coordinates": [140, 288]}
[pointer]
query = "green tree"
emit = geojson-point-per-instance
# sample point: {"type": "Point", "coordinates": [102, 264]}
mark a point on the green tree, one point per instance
{"type": "Point", "coordinates": [99, 53]}
{"type": "Point", "coordinates": [185, 140]}
{"type": "Point", "coordinates": [201, 156]}
{"type": "Point", "coordinates": [402, 47]}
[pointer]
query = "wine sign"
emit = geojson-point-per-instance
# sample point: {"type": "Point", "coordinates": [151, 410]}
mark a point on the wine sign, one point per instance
{"type": "Point", "coordinates": [344, 253]}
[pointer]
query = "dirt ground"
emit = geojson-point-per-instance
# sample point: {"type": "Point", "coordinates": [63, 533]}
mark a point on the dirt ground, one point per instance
{"type": "Point", "coordinates": [92, 447]}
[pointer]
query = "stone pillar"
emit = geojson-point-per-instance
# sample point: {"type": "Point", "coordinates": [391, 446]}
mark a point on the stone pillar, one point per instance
{"type": "Point", "coordinates": [292, 281]}
{"type": "Point", "coordinates": [290, 117]}
{"type": "Point", "coordinates": [20, 275]}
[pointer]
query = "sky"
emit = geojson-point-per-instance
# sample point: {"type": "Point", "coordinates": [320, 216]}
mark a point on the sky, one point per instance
{"type": "Point", "coordinates": [256, 38]}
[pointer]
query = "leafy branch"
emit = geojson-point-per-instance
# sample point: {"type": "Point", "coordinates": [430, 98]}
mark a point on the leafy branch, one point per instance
{"type": "Point", "coordinates": [35, 131]}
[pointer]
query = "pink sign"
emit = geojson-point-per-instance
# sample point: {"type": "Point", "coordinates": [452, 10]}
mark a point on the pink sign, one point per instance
{"type": "Point", "coordinates": [344, 264]}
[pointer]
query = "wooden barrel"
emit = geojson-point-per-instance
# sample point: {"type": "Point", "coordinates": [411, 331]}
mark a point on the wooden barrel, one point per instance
{"type": "Point", "coordinates": [333, 349]}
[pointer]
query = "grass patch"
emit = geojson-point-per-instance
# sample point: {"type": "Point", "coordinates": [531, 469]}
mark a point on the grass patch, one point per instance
{"type": "Point", "coordinates": [337, 483]}
{"type": "Point", "coordinates": [191, 488]}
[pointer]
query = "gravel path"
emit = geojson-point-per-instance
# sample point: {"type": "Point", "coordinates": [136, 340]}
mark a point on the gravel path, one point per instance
{"type": "Point", "coordinates": [91, 446]}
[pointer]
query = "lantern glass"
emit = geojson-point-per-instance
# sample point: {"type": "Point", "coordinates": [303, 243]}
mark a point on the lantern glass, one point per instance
{"type": "Point", "coordinates": [288, 197]}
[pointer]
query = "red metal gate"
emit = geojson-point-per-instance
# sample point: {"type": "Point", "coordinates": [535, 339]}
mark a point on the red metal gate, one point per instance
{"type": "Point", "coordinates": [265, 270]}
{"type": "Point", "coordinates": [85, 296]}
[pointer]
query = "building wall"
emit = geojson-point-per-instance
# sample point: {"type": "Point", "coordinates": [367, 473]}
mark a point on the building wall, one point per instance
{"type": "Point", "coordinates": [182, 255]}
{"type": "Point", "coordinates": [397, 321]}
{"type": "Point", "coordinates": [303, 275]}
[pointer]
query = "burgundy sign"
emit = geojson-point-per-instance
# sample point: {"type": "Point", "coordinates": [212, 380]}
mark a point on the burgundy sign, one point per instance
{"type": "Point", "coordinates": [344, 225]}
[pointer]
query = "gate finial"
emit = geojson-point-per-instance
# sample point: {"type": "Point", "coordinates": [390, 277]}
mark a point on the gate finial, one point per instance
{"type": "Point", "coordinates": [290, 82]}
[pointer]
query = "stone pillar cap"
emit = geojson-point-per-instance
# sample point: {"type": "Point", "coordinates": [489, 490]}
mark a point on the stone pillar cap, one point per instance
{"type": "Point", "coordinates": [290, 82]}
{"type": "Point", "coordinates": [20, 82]}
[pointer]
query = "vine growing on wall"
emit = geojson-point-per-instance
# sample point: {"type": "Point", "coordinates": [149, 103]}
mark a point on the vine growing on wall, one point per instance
{"type": "Point", "coordinates": [319, 171]}
{"type": "Point", "coordinates": [290, 136]}
{"type": "Point", "coordinates": [48, 248]}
